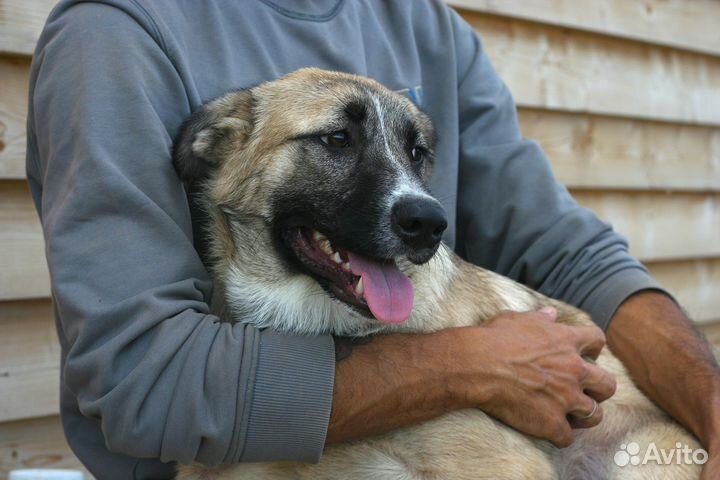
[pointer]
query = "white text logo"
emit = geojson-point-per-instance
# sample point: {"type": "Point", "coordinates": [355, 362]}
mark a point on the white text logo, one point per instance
{"type": "Point", "coordinates": [630, 455]}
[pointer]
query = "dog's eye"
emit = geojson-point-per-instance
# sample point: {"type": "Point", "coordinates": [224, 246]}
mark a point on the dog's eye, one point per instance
{"type": "Point", "coordinates": [339, 139]}
{"type": "Point", "coordinates": [417, 155]}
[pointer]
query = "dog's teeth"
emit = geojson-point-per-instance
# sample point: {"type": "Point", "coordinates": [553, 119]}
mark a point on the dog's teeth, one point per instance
{"type": "Point", "coordinates": [359, 287]}
{"type": "Point", "coordinates": [318, 237]}
{"type": "Point", "coordinates": [346, 266]}
{"type": "Point", "coordinates": [326, 247]}
{"type": "Point", "coordinates": [336, 258]}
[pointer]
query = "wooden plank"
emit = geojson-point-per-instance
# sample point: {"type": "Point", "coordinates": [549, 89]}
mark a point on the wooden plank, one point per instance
{"type": "Point", "coordinates": [547, 67]}
{"type": "Point", "coordinates": [659, 225]}
{"type": "Point", "coordinates": [14, 73]}
{"type": "Point", "coordinates": [673, 23]}
{"type": "Point", "coordinates": [589, 151]}
{"type": "Point", "coordinates": [29, 360]}
{"type": "Point", "coordinates": [36, 443]}
{"type": "Point", "coordinates": [21, 23]}
{"type": "Point", "coordinates": [23, 269]}
{"type": "Point", "coordinates": [695, 285]}
{"type": "Point", "coordinates": [29, 391]}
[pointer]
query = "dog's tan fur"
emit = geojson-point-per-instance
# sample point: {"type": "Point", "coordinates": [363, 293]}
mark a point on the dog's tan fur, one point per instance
{"type": "Point", "coordinates": [253, 159]}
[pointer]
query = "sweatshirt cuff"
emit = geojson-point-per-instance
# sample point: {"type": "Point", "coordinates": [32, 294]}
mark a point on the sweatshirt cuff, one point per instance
{"type": "Point", "coordinates": [291, 398]}
{"type": "Point", "coordinates": [606, 298]}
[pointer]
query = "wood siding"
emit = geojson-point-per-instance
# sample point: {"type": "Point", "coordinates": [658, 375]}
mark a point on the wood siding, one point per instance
{"type": "Point", "coordinates": [623, 95]}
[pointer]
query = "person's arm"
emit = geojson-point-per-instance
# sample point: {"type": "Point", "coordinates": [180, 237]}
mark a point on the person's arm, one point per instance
{"type": "Point", "coordinates": [161, 375]}
{"type": "Point", "coordinates": [668, 359]}
{"type": "Point", "coordinates": [522, 368]}
{"type": "Point", "coordinates": [514, 218]}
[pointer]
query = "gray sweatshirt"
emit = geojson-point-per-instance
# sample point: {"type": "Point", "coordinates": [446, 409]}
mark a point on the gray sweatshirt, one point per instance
{"type": "Point", "coordinates": [149, 376]}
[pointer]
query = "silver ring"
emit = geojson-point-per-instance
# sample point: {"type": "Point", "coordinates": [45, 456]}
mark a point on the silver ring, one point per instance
{"type": "Point", "coordinates": [591, 414]}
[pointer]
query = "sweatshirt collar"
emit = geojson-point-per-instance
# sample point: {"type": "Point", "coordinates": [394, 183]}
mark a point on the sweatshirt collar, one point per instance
{"type": "Point", "coordinates": [311, 10]}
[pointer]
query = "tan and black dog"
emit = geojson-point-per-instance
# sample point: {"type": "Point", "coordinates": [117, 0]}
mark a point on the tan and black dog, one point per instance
{"type": "Point", "coordinates": [320, 222]}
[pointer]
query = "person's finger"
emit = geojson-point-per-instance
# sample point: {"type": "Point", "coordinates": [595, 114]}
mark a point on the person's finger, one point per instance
{"type": "Point", "coordinates": [586, 416]}
{"type": "Point", "coordinates": [562, 434]}
{"type": "Point", "coordinates": [598, 384]}
{"type": "Point", "coordinates": [589, 341]}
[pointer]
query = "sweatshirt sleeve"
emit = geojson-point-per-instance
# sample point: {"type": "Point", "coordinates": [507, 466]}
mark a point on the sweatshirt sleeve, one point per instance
{"type": "Point", "coordinates": [145, 357]}
{"type": "Point", "coordinates": [514, 217]}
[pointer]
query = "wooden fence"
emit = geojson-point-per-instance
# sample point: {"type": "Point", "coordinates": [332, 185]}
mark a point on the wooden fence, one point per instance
{"type": "Point", "coordinates": [624, 95]}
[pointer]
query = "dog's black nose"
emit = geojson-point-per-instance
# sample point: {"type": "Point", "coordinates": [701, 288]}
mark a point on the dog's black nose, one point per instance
{"type": "Point", "coordinates": [420, 222]}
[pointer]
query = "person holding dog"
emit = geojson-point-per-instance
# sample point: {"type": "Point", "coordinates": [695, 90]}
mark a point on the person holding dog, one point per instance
{"type": "Point", "coordinates": [151, 377]}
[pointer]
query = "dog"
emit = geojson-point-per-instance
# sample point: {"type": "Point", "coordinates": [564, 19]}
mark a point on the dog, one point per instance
{"type": "Point", "coordinates": [291, 251]}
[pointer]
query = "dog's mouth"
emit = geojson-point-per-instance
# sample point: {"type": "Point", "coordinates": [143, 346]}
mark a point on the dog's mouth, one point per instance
{"type": "Point", "coordinates": [376, 288]}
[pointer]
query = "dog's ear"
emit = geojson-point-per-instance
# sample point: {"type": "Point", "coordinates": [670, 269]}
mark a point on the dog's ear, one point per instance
{"type": "Point", "coordinates": [211, 134]}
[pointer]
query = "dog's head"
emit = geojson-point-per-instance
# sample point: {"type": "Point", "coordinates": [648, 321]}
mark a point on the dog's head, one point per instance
{"type": "Point", "coordinates": [336, 167]}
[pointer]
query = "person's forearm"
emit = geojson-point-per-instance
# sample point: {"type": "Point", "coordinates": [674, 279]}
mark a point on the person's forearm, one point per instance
{"type": "Point", "coordinates": [387, 382]}
{"type": "Point", "coordinates": [668, 359]}
{"type": "Point", "coordinates": [524, 369]}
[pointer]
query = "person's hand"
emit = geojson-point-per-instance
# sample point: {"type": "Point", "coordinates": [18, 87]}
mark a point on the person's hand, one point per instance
{"type": "Point", "coordinates": [535, 377]}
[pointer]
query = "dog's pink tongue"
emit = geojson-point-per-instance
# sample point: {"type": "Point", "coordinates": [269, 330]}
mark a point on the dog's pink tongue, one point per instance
{"type": "Point", "coordinates": [388, 292]}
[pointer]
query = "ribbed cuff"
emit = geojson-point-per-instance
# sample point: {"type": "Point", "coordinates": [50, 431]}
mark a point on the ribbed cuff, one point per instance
{"type": "Point", "coordinates": [606, 298]}
{"type": "Point", "coordinates": [291, 399]}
